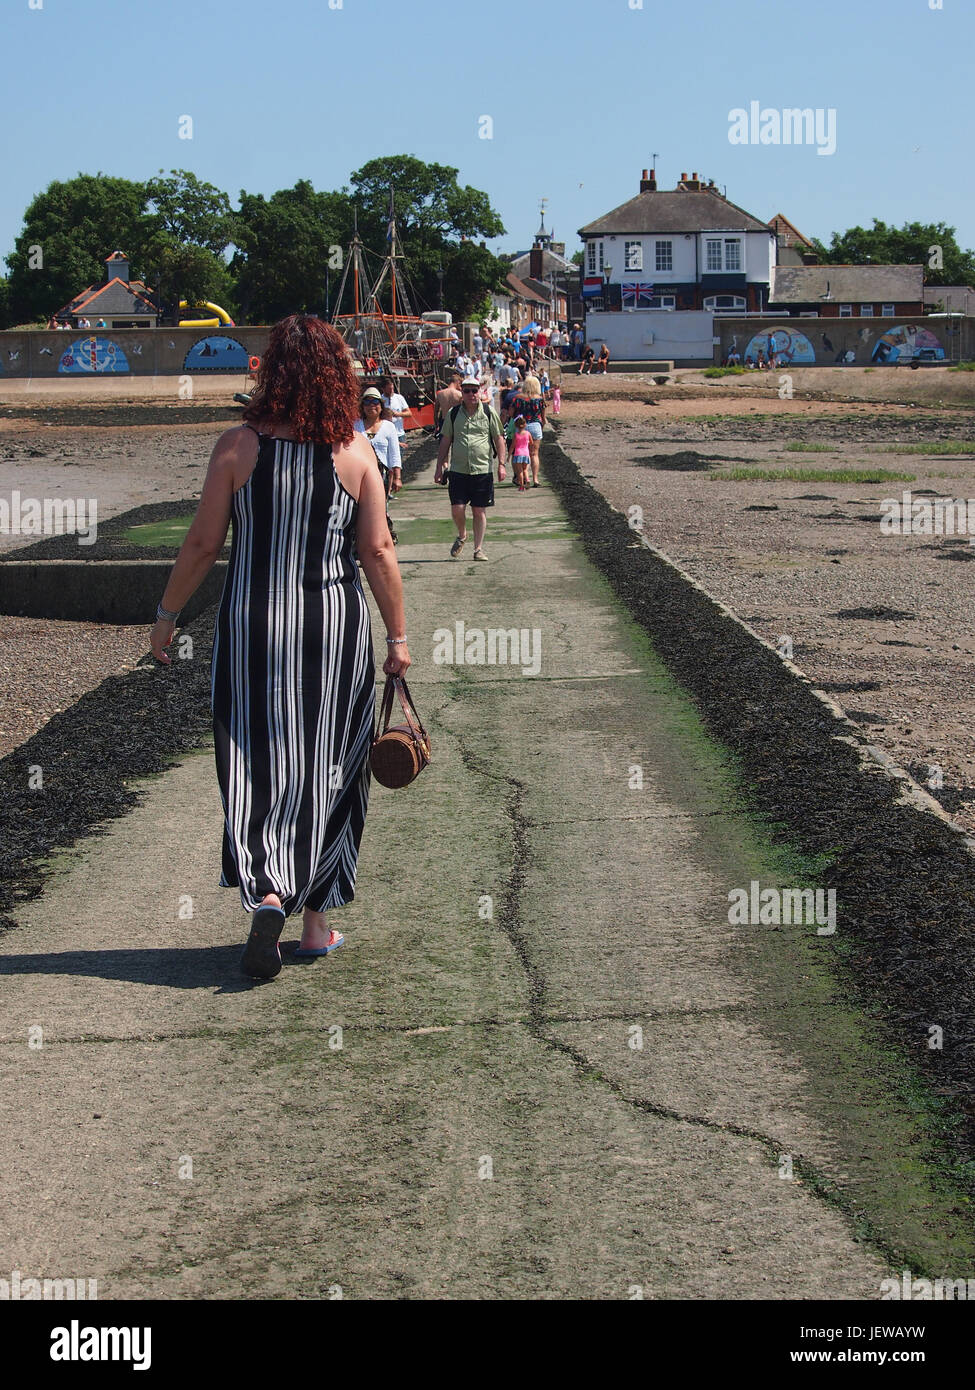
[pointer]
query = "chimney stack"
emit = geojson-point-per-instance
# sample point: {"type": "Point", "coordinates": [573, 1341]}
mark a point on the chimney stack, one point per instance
{"type": "Point", "coordinates": [535, 270]}
{"type": "Point", "coordinates": [649, 185]}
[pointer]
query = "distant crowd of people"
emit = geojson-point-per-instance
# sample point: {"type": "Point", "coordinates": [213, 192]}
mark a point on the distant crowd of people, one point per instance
{"type": "Point", "coordinates": [56, 323]}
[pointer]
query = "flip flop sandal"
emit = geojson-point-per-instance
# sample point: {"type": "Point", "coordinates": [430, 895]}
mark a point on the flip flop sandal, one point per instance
{"type": "Point", "coordinates": [303, 954]}
{"type": "Point", "coordinates": [262, 954]}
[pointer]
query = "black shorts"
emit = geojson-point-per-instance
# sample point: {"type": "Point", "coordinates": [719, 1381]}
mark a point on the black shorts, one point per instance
{"type": "Point", "coordinates": [475, 488]}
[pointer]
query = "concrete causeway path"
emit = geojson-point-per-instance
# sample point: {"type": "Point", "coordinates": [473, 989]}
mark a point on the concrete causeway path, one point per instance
{"type": "Point", "coordinates": [543, 1066]}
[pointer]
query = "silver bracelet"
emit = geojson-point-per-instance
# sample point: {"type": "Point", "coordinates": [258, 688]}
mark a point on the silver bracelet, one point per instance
{"type": "Point", "coordinates": [166, 615]}
{"type": "Point", "coordinates": [396, 641]}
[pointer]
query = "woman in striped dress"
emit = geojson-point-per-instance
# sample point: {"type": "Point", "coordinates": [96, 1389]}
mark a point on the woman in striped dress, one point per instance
{"type": "Point", "coordinates": [293, 682]}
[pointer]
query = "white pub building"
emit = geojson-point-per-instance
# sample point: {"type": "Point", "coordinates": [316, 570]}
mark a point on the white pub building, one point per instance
{"type": "Point", "coordinates": [657, 269]}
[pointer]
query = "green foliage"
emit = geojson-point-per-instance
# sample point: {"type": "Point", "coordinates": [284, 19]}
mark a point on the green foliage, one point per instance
{"type": "Point", "coordinates": [5, 318]}
{"type": "Point", "coordinates": [907, 245]}
{"type": "Point", "coordinates": [724, 371]}
{"type": "Point", "coordinates": [184, 271]}
{"type": "Point", "coordinates": [75, 224]}
{"type": "Point", "coordinates": [176, 229]}
{"type": "Point", "coordinates": [438, 223]}
{"type": "Point", "coordinates": [963, 367]}
{"type": "Point", "coordinates": [283, 250]}
{"type": "Point", "coordinates": [189, 211]}
{"type": "Point", "coordinates": [577, 257]}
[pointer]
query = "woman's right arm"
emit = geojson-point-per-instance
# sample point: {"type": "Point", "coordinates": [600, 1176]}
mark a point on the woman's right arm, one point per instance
{"type": "Point", "coordinates": [379, 564]}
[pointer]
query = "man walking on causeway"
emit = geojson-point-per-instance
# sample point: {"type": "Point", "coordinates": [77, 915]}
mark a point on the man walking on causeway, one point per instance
{"type": "Point", "coordinates": [472, 434]}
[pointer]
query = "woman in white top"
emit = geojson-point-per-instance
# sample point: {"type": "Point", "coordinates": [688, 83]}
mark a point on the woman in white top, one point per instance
{"type": "Point", "coordinates": [397, 405]}
{"type": "Point", "coordinates": [383, 438]}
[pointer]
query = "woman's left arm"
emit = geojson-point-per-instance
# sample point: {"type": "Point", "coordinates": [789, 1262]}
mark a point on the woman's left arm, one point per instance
{"type": "Point", "coordinates": [208, 531]}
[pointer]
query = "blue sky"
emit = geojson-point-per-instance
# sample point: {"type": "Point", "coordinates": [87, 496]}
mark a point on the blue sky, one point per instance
{"type": "Point", "coordinates": [580, 92]}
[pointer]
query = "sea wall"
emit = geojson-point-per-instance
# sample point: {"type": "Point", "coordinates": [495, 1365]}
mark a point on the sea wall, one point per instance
{"type": "Point", "coordinates": [108, 352]}
{"type": "Point", "coordinates": [852, 342]}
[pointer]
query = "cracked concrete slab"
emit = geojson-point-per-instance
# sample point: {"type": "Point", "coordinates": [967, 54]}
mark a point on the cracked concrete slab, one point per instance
{"type": "Point", "coordinates": [451, 1105]}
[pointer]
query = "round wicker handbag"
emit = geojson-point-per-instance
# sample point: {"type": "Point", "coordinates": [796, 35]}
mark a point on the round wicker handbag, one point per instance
{"type": "Point", "coordinates": [402, 752]}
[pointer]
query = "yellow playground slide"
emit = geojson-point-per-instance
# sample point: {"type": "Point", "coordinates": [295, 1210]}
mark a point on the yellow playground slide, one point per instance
{"type": "Point", "coordinates": [223, 318]}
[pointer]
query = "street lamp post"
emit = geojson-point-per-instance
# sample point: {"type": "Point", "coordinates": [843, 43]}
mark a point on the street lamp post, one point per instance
{"type": "Point", "coordinates": [440, 279]}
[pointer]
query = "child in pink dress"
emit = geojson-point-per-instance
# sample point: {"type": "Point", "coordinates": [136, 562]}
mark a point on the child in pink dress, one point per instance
{"type": "Point", "coordinates": [522, 453]}
{"type": "Point", "coordinates": [556, 399]}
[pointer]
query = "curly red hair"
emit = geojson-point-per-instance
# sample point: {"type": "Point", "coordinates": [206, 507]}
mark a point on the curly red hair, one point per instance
{"type": "Point", "coordinates": [306, 380]}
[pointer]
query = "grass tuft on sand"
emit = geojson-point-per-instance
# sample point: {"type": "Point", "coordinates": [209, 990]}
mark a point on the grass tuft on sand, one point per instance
{"type": "Point", "coordinates": [810, 475]}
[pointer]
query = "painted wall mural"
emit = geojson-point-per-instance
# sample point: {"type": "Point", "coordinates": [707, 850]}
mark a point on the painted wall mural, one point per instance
{"type": "Point", "coordinates": [216, 353]}
{"type": "Point", "coordinates": [93, 354]}
{"type": "Point", "coordinates": [908, 343]}
{"type": "Point", "coordinates": [784, 348]}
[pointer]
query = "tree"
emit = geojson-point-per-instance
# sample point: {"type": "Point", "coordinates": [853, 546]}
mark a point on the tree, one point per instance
{"type": "Point", "coordinates": [173, 230]}
{"type": "Point", "coordinates": [932, 245]}
{"type": "Point", "coordinates": [191, 212]}
{"type": "Point", "coordinates": [438, 222]}
{"type": "Point", "coordinates": [68, 231]}
{"type": "Point", "coordinates": [184, 271]}
{"type": "Point", "coordinates": [285, 244]}
{"type": "Point", "coordinates": [577, 257]}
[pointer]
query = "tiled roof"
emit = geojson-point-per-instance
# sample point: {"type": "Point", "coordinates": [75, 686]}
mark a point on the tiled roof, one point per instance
{"type": "Point", "coordinates": [850, 284]}
{"type": "Point", "coordinates": [524, 291]}
{"type": "Point", "coordinates": [116, 298]}
{"type": "Point", "coordinates": [677, 211]}
{"type": "Point", "coordinates": [790, 234]}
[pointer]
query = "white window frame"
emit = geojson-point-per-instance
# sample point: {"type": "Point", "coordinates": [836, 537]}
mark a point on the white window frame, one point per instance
{"type": "Point", "coordinates": [888, 311]}
{"type": "Point", "coordinates": [711, 306]}
{"type": "Point", "coordinates": [590, 258]}
{"type": "Point", "coordinates": [664, 251]}
{"type": "Point", "coordinates": [661, 303]}
{"type": "Point", "coordinates": [846, 311]}
{"type": "Point", "coordinates": [632, 256]}
{"type": "Point", "coordinates": [724, 260]}
{"type": "Point", "coordinates": [866, 311]}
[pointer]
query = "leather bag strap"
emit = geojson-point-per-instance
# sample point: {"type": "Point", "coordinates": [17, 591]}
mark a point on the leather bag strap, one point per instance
{"type": "Point", "coordinates": [409, 709]}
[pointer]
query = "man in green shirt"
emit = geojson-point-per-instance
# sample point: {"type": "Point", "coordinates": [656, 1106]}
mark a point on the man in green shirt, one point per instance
{"type": "Point", "coordinates": [472, 435]}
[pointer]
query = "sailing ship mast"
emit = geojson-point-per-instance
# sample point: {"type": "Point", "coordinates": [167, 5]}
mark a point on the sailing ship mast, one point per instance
{"type": "Point", "coordinates": [384, 341]}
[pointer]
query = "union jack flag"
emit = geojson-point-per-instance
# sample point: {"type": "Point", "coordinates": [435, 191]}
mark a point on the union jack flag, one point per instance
{"type": "Point", "coordinates": [637, 294]}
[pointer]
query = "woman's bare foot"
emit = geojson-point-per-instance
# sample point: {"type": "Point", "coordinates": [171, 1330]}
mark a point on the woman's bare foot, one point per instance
{"type": "Point", "coordinates": [316, 932]}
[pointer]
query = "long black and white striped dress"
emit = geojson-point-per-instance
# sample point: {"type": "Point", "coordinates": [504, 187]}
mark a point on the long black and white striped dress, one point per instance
{"type": "Point", "coordinates": [293, 684]}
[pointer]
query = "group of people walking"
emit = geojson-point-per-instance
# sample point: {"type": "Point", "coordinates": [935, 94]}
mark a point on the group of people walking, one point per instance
{"type": "Point", "coordinates": [473, 432]}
